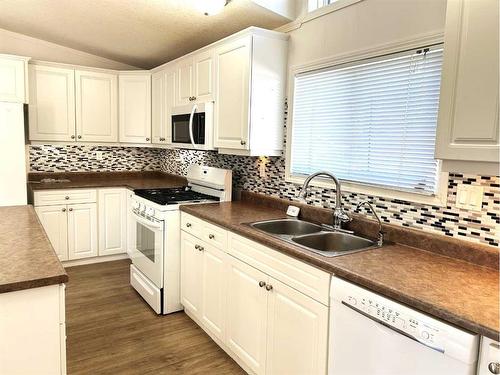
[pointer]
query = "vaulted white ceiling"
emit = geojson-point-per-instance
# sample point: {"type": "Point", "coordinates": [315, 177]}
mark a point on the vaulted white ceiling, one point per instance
{"type": "Point", "coordinates": [142, 33]}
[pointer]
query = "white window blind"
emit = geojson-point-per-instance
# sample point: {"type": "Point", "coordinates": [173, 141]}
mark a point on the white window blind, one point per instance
{"type": "Point", "coordinates": [316, 4]}
{"type": "Point", "coordinates": [371, 122]}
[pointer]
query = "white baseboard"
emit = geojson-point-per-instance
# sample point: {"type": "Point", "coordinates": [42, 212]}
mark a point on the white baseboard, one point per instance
{"type": "Point", "coordinates": [81, 262]}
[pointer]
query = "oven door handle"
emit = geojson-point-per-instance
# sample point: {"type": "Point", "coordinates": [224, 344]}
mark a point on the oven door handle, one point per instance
{"type": "Point", "coordinates": [191, 116]}
{"type": "Point", "coordinates": [146, 222]}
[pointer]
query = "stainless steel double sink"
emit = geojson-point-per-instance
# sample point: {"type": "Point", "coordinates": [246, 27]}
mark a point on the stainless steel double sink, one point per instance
{"type": "Point", "coordinates": [314, 237]}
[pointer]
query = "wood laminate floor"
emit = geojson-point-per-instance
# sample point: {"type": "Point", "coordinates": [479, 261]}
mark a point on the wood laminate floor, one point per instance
{"type": "Point", "coordinates": [111, 330]}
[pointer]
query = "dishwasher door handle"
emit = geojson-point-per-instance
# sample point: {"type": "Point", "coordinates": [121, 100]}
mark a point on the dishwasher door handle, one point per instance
{"type": "Point", "coordinates": [397, 330]}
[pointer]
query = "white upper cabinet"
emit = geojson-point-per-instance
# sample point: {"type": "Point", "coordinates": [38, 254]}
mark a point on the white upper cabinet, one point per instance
{"type": "Point", "coordinates": [195, 78]}
{"type": "Point", "coordinates": [250, 80]}
{"type": "Point", "coordinates": [468, 112]}
{"type": "Point", "coordinates": [185, 81]}
{"type": "Point", "coordinates": [13, 76]}
{"type": "Point", "coordinates": [204, 72]}
{"type": "Point", "coordinates": [233, 95]}
{"type": "Point", "coordinates": [52, 103]}
{"type": "Point", "coordinates": [163, 85]}
{"type": "Point", "coordinates": [134, 112]}
{"type": "Point", "coordinates": [96, 106]}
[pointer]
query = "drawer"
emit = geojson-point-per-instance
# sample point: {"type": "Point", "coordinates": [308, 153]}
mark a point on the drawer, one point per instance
{"type": "Point", "coordinates": [214, 235]}
{"type": "Point", "coordinates": [72, 196]}
{"type": "Point", "coordinates": [307, 279]}
{"type": "Point", "coordinates": [150, 292]}
{"type": "Point", "coordinates": [210, 233]}
{"type": "Point", "coordinates": [191, 224]}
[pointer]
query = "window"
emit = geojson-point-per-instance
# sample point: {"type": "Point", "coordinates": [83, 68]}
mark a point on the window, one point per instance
{"type": "Point", "coordinates": [370, 122]}
{"type": "Point", "coordinates": [316, 4]}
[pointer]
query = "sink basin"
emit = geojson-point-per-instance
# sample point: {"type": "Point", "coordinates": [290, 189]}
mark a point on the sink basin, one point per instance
{"type": "Point", "coordinates": [287, 227]}
{"type": "Point", "coordinates": [331, 243]}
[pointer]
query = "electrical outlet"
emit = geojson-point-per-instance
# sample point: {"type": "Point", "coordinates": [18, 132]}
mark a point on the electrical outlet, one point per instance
{"type": "Point", "coordinates": [98, 155]}
{"type": "Point", "coordinates": [469, 197]}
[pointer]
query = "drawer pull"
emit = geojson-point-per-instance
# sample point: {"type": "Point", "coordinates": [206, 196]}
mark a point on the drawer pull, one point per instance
{"type": "Point", "coordinates": [269, 287]}
{"type": "Point", "coordinates": [63, 210]}
{"type": "Point", "coordinates": [66, 197]}
{"type": "Point", "coordinates": [262, 284]}
{"type": "Point", "coordinates": [188, 225]}
{"type": "Point", "coordinates": [201, 248]}
{"type": "Point", "coordinates": [70, 209]}
{"type": "Point", "coordinates": [211, 236]}
{"type": "Point", "coordinates": [196, 247]}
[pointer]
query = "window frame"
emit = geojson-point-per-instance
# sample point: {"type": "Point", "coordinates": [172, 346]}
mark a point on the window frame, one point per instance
{"type": "Point", "coordinates": [351, 58]}
{"type": "Point", "coordinates": [325, 9]}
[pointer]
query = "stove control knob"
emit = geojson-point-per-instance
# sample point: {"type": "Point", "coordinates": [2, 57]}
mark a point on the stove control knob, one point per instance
{"type": "Point", "coordinates": [135, 205]}
{"type": "Point", "coordinates": [142, 208]}
{"type": "Point", "coordinates": [150, 211]}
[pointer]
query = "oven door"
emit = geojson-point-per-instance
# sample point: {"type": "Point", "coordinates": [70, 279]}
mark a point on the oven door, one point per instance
{"type": "Point", "coordinates": [147, 249]}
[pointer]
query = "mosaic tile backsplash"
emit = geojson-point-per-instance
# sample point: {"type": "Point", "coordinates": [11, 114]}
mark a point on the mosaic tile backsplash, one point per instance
{"type": "Point", "coordinates": [481, 226]}
{"type": "Point", "coordinates": [79, 158]}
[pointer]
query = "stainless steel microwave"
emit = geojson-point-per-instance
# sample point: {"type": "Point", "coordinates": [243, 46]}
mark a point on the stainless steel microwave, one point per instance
{"type": "Point", "coordinates": [192, 126]}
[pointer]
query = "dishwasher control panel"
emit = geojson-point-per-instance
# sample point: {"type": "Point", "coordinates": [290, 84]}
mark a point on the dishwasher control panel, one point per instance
{"type": "Point", "coordinates": [396, 316]}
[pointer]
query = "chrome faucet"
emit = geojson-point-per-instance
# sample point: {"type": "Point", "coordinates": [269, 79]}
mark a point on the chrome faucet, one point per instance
{"type": "Point", "coordinates": [380, 233]}
{"type": "Point", "coordinates": [339, 215]}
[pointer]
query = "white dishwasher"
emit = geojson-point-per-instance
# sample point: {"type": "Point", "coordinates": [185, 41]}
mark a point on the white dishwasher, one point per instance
{"type": "Point", "coordinates": [370, 334]}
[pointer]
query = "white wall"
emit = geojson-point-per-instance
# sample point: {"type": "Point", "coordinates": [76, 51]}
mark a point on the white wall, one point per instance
{"type": "Point", "coordinates": [364, 25]}
{"type": "Point", "coordinates": [19, 44]}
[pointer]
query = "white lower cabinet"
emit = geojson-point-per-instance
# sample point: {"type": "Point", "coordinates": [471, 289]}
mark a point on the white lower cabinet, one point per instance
{"type": "Point", "coordinates": [112, 221]}
{"type": "Point", "coordinates": [82, 230]}
{"type": "Point", "coordinates": [297, 333]}
{"type": "Point", "coordinates": [247, 314]}
{"type": "Point", "coordinates": [264, 323]}
{"type": "Point", "coordinates": [55, 222]}
{"type": "Point", "coordinates": [84, 223]}
{"type": "Point", "coordinates": [191, 266]}
{"type": "Point", "coordinates": [33, 331]}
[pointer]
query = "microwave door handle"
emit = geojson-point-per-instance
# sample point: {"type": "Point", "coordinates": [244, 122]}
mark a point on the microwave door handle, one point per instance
{"type": "Point", "coordinates": [191, 125]}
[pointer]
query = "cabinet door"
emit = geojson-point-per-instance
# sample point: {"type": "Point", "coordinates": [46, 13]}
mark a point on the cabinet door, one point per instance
{"type": "Point", "coordinates": [233, 94]}
{"type": "Point", "coordinates": [52, 104]}
{"type": "Point", "coordinates": [82, 230]}
{"type": "Point", "coordinates": [135, 108]}
{"type": "Point", "coordinates": [468, 110]}
{"type": "Point", "coordinates": [246, 319]}
{"type": "Point", "coordinates": [158, 107]}
{"type": "Point", "coordinates": [214, 290]}
{"type": "Point", "coordinates": [297, 334]}
{"type": "Point", "coordinates": [191, 273]}
{"type": "Point", "coordinates": [96, 107]}
{"type": "Point", "coordinates": [163, 100]}
{"type": "Point", "coordinates": [184, 81]}
{"type": "Point", "coordinates": [55, 223]}
{"type": "Point", "coordinates": [204, 69]}
{"type": "Point", "coordinates": [112, 221]}
{"type": "Point", "coordinates": [12, 80]}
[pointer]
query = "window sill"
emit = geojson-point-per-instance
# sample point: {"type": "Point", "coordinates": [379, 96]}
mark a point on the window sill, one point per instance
{"type": "Point", "coordinates": [439, 199]}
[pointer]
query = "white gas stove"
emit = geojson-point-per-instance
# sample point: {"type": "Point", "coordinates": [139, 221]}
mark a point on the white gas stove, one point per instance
{"type": "Point", "coordinates": [155, 269]}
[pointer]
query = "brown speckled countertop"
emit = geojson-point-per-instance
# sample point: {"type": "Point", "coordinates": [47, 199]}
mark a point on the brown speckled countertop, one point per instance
{"type": "Point", "coordinates": [456, 291]}
{"type": "Point", "coordinates": [27, 259]}
{"type": "Point", "coordinates": [82, 180]}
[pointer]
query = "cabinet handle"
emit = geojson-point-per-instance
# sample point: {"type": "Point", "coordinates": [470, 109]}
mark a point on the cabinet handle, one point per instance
{"type": "Point", "coordinates": [72, 137]}
{"type": "Point", "coordinates": [262, 284]}
{"type": "Point", "coordinates": [196, 247]}
{"type": "Point", "coordinates": [147, 139]}
{"type": "Point", "coordinates": [162, 139]}
{"type": "Point", "coordinates": [201, 248]}
{"type": "Point", "coordinates": [79, 137]}
{"type": "Point", "coordinates": [66, 197]}
{"type": "Point", "coordinates": [211, 236]}
{"type": "Point", "coordinates": [242, 142]}
{"type": "Point", "coordinates": [188, 225]}
{"type": "Point", "coordinates": [70, 209]}
{"type": "Point", "coordinates": [194, 98]}
{"type": "Point", "coordinates": [494, 367]}
{"type": "Point", "coordinates": [269, 287]}
{"type": "Point", "coordinates": [63, 210]}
